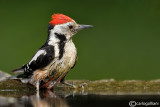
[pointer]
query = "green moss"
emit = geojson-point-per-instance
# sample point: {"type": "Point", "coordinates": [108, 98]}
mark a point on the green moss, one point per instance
{"type": "Point", "coordinates": [16, 88]}
{"type": "Point", "coordinates": [105, 87]}
{"type": "Point", "coordinates": [113, 87]}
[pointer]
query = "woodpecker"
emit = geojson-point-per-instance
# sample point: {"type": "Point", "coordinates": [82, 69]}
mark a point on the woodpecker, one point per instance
{"type": "Point", "coordinates": [56, 57]}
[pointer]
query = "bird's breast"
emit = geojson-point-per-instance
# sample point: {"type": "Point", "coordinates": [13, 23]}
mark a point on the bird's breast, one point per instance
{"type": "Point", "coordinates": [68, 59]}
{"type": "Point", "coordinates": [70, 54]}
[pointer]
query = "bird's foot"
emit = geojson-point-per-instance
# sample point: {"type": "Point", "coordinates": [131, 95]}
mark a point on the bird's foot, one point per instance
{"type": "Point", "coordinates": [71, 85]}
{"type": "Point", "coordinates": [51, 84]}
{"type": "Point", "coordinates": [37, 88]}
{"type": "Point", "coordinates": [48, 85]}
{"type": "Point", "coordinates": [84, 84]}
{"type": "Point", "coordinates": [82, 87]}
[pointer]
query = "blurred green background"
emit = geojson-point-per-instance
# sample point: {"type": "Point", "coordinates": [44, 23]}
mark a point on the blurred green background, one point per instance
{"type": "Point", "coordinates": [124, 43]}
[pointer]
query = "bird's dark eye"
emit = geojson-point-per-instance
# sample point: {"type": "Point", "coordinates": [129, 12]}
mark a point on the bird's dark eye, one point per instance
{"type": "Point", "coordinates": [70, 26]}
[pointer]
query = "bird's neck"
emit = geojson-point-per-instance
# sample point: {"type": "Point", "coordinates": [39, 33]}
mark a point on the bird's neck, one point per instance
{"type": "Point", "coordinates": [59, 41]}
{"type": "Point", "coordinates": [56, 38]}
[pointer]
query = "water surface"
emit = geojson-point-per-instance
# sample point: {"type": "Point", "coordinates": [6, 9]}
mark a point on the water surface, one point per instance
{"type": "Point", "coordinates": [54, 99]}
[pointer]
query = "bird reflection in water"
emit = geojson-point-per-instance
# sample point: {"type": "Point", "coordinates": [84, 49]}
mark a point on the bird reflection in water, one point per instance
{"type": "Point", "coordinates": [48, 99]}
{"type": "Point", "coordinates": [44, 99]}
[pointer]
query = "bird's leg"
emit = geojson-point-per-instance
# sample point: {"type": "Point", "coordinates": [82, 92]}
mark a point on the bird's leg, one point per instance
{"type": "Point", "coordinates": [48, 83]}
{"type": "Point", "coordinates": [45, 84]}
{"type": "Point", "coordinates": [66, 83]}
{"type": "Point", "coordinates": [52, 83]}
{"type": "Point", "coordinates": [37, 87]}
{"type": "Point", "coordinates": [71, 85]}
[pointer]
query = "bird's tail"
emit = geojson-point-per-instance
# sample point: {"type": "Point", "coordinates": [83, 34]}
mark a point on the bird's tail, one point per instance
{"type": "Point", "coordinates": [19, 77]}
{"type": "Point", "coordinates": [23, 77]}
{"type": "Point", "coordinates": [18, 70]}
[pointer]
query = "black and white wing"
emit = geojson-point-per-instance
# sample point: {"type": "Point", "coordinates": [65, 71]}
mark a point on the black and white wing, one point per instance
{"type": "Point", "coordinates": [41, 59]}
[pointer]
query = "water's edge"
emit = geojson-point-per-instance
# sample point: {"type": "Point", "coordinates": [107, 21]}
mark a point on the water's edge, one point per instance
{"type": "Point", "coordinates": [84, 87]}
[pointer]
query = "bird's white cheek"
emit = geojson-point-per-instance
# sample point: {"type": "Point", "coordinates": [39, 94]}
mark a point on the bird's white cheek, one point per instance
{"type": "Point", "coordinates": [56, 50]}
{"type": "Point", "coordinates": [73, 33]}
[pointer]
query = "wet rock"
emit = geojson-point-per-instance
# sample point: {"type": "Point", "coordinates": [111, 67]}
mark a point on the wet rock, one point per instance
{"type": "Point", "coordinates": [100, 87]}
{"type": "Point", "coordinates": [111, 87]}
{"type": "Point", "coordinates": [16, 88]}
{"type": "Point", "coordinates": [4, 75]}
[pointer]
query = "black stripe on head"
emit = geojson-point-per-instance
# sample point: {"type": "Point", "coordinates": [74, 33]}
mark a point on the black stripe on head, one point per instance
{"type": "Point", "coordinates": [50, 26]}
{"type": "Point", "coordinates": [62, 39]}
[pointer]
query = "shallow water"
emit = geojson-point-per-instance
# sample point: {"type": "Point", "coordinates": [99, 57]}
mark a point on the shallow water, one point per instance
{"type": "Point", "coordinates": [51, 99]}
{"type": "Point", "coordinates": [101, 93]}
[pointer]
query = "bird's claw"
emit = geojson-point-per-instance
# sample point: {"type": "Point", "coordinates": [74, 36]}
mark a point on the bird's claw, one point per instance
{"type": "Point", "coordinates": [71, 85]}
{"type": "Point", "coordinates": [82, 85]}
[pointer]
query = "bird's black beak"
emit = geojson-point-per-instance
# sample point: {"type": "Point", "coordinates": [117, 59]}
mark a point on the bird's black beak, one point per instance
{"type": "Point", "coordinates": [80, 27]}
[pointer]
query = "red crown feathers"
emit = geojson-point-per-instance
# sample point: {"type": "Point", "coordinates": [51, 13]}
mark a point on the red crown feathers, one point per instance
{"type": "Point", "coordinates": [60, 19]}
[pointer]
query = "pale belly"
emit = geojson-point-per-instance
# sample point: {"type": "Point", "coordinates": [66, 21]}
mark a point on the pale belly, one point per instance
{"type": "Point", "coordinates": [68, 60]}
